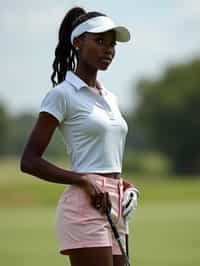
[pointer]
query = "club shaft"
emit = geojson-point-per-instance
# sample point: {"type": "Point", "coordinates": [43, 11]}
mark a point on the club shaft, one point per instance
{"type": "Point", "coordinates": [118, 238]}
{"type": "Point", "coordinates": [126, 237]}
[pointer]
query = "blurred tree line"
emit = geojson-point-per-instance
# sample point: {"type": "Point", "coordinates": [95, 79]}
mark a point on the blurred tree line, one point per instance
{"type": "Point", "coordinates": [15, 131]}
{"type": "Point", "coordinates": [166, 119]}
{"type": "Point", "coordinates": [167, 116]}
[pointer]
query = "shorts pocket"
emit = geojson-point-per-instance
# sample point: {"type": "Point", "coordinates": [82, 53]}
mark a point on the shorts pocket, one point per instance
{"type": "Point", "coordinates": [87, 210]}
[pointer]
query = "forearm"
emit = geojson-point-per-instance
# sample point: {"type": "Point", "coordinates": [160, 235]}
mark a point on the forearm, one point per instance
{"type": "Point", "coordinates": [45, 170]}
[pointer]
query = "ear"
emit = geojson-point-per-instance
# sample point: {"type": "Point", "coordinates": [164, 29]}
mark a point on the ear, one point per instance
{"type": "Point", "coordinates": [77, 43]}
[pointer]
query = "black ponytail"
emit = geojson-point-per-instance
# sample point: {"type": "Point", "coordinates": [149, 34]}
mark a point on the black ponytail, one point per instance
{"type": "Point", "coordinates": [65, 53]}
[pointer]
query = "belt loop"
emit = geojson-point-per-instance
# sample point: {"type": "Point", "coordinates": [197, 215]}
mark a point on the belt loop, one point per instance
{"type": "Point", "coordinates": [120, 199]}
{"type": "Point", "coordinates": [104, 182]}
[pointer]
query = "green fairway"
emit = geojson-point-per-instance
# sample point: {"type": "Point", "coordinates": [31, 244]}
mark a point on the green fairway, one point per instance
{"type": "Point", "coordinates": [165, 230]}
{"type": "Point", "coordinates": [160, 235]}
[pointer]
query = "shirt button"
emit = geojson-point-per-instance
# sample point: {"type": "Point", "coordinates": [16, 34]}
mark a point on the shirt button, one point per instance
{"type": "Point", "coordinates": [110, 114]}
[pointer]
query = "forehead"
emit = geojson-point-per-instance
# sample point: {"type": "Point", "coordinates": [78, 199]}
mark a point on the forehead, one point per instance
{"type": "Point", "coordinates": [111, 34]}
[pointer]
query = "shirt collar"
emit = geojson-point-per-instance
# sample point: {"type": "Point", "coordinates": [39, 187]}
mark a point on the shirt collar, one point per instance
{"type": "Point", "coordinates": [78, 83]}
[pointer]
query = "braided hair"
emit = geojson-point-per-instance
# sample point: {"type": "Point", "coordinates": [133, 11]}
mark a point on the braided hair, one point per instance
{"type": "Point", "coordinates": [65, 54]}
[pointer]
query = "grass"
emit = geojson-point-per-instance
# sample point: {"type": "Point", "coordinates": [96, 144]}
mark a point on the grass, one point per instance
{"type": "Point", "coordinates": [167, 235]}
{"type": "Point", "coordinates": [165, 230]}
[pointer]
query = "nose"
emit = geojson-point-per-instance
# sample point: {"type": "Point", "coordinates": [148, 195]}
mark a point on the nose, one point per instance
{"type": "Point", "coordinates": [109, 50]}
{"type": "Point", "coordinates": [109, 47]}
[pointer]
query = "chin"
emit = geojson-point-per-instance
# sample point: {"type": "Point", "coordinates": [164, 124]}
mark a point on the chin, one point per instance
{"type": "Point", "coordinates": [103, 66]}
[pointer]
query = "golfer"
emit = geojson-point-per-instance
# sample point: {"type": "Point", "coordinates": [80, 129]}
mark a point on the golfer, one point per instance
{"type": "Point", "coordinates": [94, 131]}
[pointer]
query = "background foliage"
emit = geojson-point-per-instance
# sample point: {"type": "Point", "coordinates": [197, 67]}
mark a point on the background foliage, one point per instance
{"type": "Point", "coordinates": [167, 115]}
{"type": "Point", "coordinates": [164, 126]}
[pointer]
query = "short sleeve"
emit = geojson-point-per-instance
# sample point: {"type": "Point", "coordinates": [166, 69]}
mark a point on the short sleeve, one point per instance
{"type": "Point", "coordinates": [115, 97]}
{"type": "Point", "coordinates": [56, 104]}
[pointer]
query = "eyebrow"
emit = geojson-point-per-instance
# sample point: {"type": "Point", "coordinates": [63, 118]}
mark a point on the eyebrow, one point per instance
{"type": "Point", "coordinates": [101, 34]}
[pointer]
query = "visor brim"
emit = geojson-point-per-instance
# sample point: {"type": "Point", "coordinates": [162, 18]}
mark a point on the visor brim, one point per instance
{"type": "Point", "coordinates": [122, 33]}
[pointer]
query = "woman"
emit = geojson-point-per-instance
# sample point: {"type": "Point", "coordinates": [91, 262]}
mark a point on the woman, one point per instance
{"type": "Point", "coordinates": [94, 131]}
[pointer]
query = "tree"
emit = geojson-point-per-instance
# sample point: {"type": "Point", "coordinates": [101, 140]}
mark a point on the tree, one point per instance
{"type": "Point", "coordinates": [4, 121]}
{"type": "Point", "coordinates": [168, 109]}
{"type": "Point", "coordinates": [21, 126]}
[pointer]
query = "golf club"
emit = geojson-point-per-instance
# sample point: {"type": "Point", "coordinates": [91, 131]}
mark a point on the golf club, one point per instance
{"type": "Point", "coordinates": [126, 226]}
{"type": "Point", "coordinates": [126, 237]}
{"type": "Point", "coordinates": [118, 238]}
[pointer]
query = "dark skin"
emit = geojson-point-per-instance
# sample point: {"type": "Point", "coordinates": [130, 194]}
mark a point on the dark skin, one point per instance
{"type": "Point", "coordinates": [96, 52]}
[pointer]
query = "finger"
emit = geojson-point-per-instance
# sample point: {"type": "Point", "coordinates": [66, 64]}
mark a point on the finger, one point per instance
{"type": "Point", "coordinates": [95, 196]}
{"type": "Point", "coordinates": [90, 189]}
{"type": "Point", "coordinates": [106, 204]}
{"type": "Point", "coordinates": [109, 204]}
{"type": "Point", "coordinates": [126, 185]}
{"type": "Point", "coordinates": [98, 189]}
{"type": "Point", "coordinates": [95, 193]}
{"type": "Point", "coordinates": [98, 200]}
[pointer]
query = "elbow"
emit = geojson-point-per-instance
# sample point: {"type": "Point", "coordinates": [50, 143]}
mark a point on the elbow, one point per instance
{"type": "Point", "coordinates": [26, 164]}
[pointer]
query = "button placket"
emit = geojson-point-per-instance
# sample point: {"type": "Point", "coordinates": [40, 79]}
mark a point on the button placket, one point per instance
{"type": "Point", "coordinates": [108, 109]}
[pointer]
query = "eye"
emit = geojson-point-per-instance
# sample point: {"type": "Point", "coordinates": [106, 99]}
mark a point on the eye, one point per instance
{"type": "Point", "coordinates": [100, 41]}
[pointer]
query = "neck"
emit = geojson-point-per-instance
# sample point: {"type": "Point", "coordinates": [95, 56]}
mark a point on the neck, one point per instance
{"type": "Point", "coordinates": [87, 74]}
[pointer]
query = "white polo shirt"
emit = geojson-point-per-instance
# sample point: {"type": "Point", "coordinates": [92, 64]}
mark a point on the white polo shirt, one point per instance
{"type": "Point", "coordinates": [92, 126]}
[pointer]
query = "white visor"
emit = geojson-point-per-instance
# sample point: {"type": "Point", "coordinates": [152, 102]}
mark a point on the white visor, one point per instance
{"type": "Point", "coordinates": [101, 24]}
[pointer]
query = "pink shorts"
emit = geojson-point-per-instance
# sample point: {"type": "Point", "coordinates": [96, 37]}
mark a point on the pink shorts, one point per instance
{"type": "Point", "coordinates": [79, 225]}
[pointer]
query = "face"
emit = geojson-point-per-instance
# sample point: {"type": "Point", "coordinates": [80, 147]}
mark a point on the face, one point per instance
{"type": "Point", "coordinates": [97, 50]}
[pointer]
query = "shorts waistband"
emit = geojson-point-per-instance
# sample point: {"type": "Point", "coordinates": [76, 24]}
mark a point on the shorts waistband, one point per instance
{"type": "Point", "coordinates": [110, 175]}
{"type": "Point", "coordinates": [104, 180]}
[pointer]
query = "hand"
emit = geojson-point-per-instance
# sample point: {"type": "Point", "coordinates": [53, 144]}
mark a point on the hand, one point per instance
{"type": "Point", "coordinates": [129, 203]}
{"type": "Point", "coordinates": [127, 185]}
{"type": "Point", "coordinates": [99, 199]}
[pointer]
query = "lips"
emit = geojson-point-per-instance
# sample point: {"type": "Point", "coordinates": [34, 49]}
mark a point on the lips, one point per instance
{"type": "Point", "coordinates": [106, 59]}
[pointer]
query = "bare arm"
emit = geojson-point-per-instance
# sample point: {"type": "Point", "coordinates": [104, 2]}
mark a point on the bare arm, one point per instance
{"type": "Point", "coordinates": [32, 161]}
